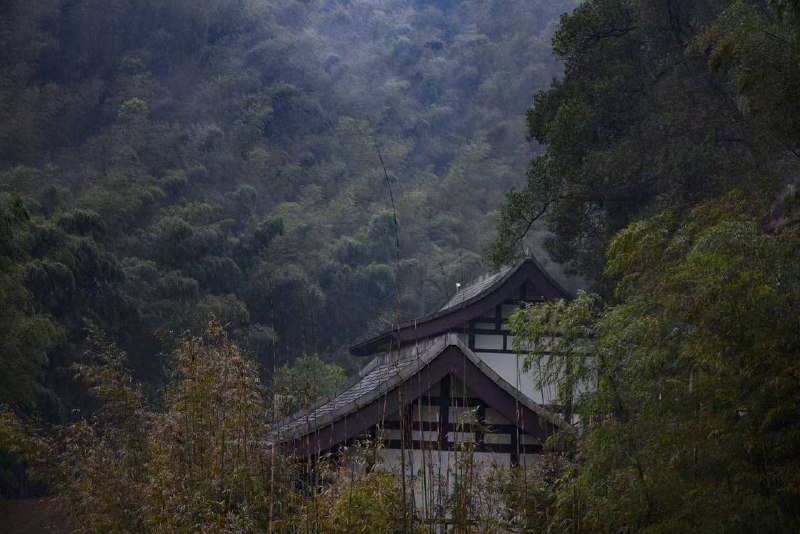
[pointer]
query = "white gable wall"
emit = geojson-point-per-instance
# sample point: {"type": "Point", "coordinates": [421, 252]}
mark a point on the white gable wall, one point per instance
{"type": "Point", "coordinates": [490, 339]}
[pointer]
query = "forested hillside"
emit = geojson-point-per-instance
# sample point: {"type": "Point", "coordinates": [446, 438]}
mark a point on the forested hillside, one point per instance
{"type": "Point", "coordinates": [195, 193]}
{"type": "Point", "coordinates": [163, 162]}
{"type": "Point", "coordinates": [663, 105]}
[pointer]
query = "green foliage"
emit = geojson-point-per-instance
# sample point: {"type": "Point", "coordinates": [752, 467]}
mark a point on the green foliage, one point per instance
{"type": "Point", "coordinates": [751, 49]}
{"type": "Point", "coordinates": [525, 498]}
{"type": "Point", "coordinates": [306, 381]}
{"type": "Point", "coordinates": [101, 466]}
{"type": "Point", "coordinates": [24, 456]}
{"type": "Point", "coordinates": [186, 159]}
{"type": "Point", "coordinates": [209, 442]}
{"type": "Point", "coordinates": [355, 502]}
{"type": "Point", "coordinates": [557, 338]}
{"type": "Point", "coordinates": [199, 461]}
{"type": "Point", "coordinates": [681, 385]}
{"type": "Point", "coordinates": [691, 420]}
{"type": "Point", "coordinates": [25, 335]}
{"type": "Point", "coordinates": [661, 105]}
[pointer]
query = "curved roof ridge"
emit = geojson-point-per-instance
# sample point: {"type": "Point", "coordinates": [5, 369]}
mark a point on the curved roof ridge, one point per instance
{"type": "Point", "coordinates": [458, 305]}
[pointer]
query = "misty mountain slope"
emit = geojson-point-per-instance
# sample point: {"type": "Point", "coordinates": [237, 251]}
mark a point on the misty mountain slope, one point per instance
{"type": "Point", "coordinates": [180, 160]}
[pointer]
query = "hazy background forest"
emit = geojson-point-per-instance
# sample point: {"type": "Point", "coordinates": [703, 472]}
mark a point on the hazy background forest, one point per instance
{"type": "Point", "coordinates": [161, 162]}
{"type": "Point", "coordinates": [165, 162]}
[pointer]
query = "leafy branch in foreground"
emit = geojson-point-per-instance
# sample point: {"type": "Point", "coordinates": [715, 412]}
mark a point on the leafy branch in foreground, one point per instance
{"type": "Point", "coordinates": [692, 421]}
{"type": "Point", "coordinates": [662, 105]}
{"type": "Point", "coordinates": [200, 462]}
{"type": "Point", "coordinates": [558, 340]}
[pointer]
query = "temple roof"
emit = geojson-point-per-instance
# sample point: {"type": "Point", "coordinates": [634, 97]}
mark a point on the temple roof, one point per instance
{"type": "Point", "coordinates": [476, 288]}
{"type": "Point", "coordinates": [467, 304]}
{"type": "Point", "coordinates": [385, 383]}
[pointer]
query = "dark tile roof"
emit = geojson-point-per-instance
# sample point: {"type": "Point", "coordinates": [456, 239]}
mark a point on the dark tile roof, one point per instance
{"type": "Point", "coordinates": [383, 374]}
{"type": "Point", "coordinates": [476, 288]}
{"type": "Point", "coordinates": [380, 375]}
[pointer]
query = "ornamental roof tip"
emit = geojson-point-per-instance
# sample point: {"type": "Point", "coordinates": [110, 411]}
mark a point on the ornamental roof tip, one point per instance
{"type": "Point", "coordinates": [476, 287]}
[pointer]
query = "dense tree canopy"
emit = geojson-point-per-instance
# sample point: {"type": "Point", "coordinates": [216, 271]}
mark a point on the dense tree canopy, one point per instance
{"type": "Point", "coordinates": [164, 162]}
{"type": "Point", "coordinates": [669, 180]}
{"type": "Point", "coordinates": [691, 420]}
{"type": "Point", "coordinates": [662, 104]}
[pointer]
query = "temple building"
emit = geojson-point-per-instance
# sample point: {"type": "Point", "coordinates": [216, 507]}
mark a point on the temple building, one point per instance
{"type": "Point", "coordinates": [446, 382]}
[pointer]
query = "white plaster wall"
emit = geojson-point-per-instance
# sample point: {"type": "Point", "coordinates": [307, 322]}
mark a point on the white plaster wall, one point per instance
{"type": "Point", "coordinates": [510, 368]}
{"type": "Point", "coordinates": [488, 341]}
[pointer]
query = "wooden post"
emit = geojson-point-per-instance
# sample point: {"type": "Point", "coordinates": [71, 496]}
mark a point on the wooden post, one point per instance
{"type": "Point", "coordinates": [407, 414]}
{"type": "Point", "coordinates": [515, 445]}
{"type": "Point", "coordinates": [480, 415]}
{"type": "Point", "coordinates": [444, 412]}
